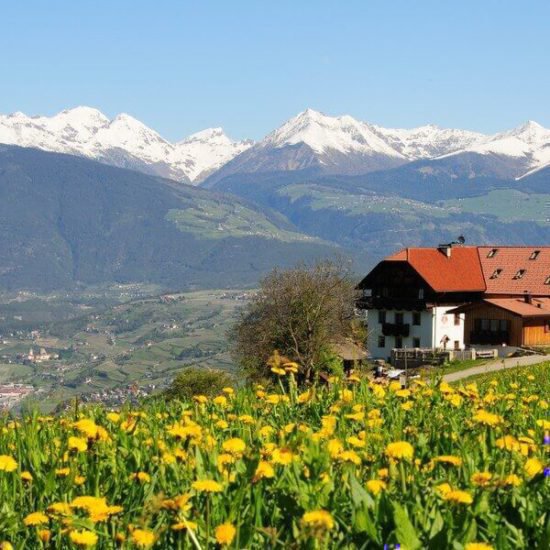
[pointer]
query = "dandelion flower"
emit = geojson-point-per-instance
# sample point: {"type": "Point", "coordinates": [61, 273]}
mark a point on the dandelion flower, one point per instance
{"type": "Point", "coordinates": [225, 533]}
{"type": "Point", "coordinates": [207, 486]}
{"type": "Point", "coordinates": [143, 538]}
{"type": "Point", "coordinates": [478, 546]}
{"type": "Point", "coordinates": [449, 459]}
{"type": "Point", "coordinates": [320, 519]}
{"type": "Point", "coordinates": [533, 466]}
{"type": "Point", "coordinates": [83, 538]}
{"type": "Point", "coordinates": [26, 476]}
{"type": "Point", "coordinates": [234, 446]}
{"type": "Point", "coordinates": [459, 497]}
{"type": "Point", "coordinates": [487, 418]}
{"type": "Point", "coordinates": [375, 486]}
{"type": "Point", "coordinates": [36, 518]}
{"type": "Point", "coordinates": [7, 463]}
{"type": "Point", "coordinates": [264, 470]}
{"type": "Point", "coordinates": [481, 478]}
{"type": "Point", "coordinates": [400, 449]}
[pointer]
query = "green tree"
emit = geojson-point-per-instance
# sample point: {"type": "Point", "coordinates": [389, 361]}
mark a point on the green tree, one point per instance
{"type": "Point", "coordinates": [298, 312]}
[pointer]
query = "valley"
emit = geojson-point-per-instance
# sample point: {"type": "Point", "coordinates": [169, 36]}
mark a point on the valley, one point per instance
{"type": "Point", "coordinates": [119, 344]}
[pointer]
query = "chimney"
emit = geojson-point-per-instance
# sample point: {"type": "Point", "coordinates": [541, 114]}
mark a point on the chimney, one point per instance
{"type": "Point", "coordinates": [446, 249]}
{"type": "Point", "coordinates": [527, 297]}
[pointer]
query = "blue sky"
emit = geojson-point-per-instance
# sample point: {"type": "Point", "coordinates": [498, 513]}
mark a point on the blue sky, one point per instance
{"type": "Point", "coordinates": [183, 66]}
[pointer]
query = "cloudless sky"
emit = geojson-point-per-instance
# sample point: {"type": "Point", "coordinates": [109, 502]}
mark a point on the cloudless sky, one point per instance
{"type": "Point", "coordinates": [182, 66]}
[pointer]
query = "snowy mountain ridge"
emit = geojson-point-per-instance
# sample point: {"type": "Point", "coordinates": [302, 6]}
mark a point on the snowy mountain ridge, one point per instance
{"type": "Point", "coordinates": [311, 139]}
{"type": "Point", "coordinates": [123, 141]}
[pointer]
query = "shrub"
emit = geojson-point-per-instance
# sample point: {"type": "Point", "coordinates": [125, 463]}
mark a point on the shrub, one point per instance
{"type": "Point", "coordinates": [193, 381]}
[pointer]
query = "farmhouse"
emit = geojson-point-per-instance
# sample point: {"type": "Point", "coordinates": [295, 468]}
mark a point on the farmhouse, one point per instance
{"type": "Point", "coordinates": [455, 296]}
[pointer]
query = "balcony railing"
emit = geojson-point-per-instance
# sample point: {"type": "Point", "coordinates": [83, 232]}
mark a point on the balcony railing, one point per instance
{"type": "Point", "coordinates": [489, 337]}
{"type": "Point", "coordinates": [395, 329]}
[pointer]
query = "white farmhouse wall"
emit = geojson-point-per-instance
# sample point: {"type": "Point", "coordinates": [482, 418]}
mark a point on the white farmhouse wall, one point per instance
{"type": "Point", "coordinates": [435, 324]}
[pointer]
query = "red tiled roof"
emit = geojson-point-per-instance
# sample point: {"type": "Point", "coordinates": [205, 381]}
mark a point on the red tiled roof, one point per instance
{"type": "Point", "coordinates": [539, 307]}
{"type": "Point", "coordinates": [510, 260]}
{"type": "Point", "coordinates": [461, 272]}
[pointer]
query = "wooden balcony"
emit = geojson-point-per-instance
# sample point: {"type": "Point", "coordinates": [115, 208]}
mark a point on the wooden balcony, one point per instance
{"type": "Point", "coordinates": [394, 329]}
{"type": "Point", "coordinates": [488, 337]}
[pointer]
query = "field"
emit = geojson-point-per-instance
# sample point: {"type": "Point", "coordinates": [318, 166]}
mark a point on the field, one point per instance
{"type": "Point", "coordinates": [347, 465]}
{"type": "Point", "coordinates": [113, 341]}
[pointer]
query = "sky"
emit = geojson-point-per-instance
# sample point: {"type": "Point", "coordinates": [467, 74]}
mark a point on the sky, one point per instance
{"type": "Point", "coordinates": [182, 66]}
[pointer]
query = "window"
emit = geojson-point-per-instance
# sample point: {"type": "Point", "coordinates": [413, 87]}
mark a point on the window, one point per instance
{"type": "Point", "coordinates": [399, 318]}
{"type": "Point", "coordinates": [457, 319]}
{"type": "Point", "coordinates": [534, 255]}
{"type": "Point", "coordinates": [496, 273]}
{"type": "Point", "coordinates": [547, 325]}
{"type": "Point", "coordinates": [381, 341]}
{"type": "Point", "coordinates": [367, 292]}
{"type": "Point", "coordinates": [416, 342]}
{"type": "Point", "coordinates": [457, 345]}
{"type": "Point", "coordinates": [416, 318]}
{"type": "Point", "coordinates": [492, 253]}
{"type": "Point", "coordinates": [398, 342]}
{"type": "Point", "coordinates": [420, 293]}
{"type": "Point", "coordinates": [520, 273]}
{"type": "Point", "coordinates": [381, 317]}
{"type": "Point", "coordinates": [491, 325]}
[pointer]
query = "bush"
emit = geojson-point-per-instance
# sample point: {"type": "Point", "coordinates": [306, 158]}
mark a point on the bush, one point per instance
{"type": "Point", "coordinates": [193, 381]}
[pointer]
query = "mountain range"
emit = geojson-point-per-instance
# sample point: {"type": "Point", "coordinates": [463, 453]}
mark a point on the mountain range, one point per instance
{"type": "Point", "coordinates": [309, 141]}
{"type": "Point", "coordinates": [88, 200]}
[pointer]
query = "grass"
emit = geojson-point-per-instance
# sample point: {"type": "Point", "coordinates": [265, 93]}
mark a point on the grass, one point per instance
{"type": "Point", "coordinates": [341, 466]}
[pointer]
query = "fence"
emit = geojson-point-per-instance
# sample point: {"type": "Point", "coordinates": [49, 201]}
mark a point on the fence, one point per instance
{"type": "Point", "coordinates": [417, 357]}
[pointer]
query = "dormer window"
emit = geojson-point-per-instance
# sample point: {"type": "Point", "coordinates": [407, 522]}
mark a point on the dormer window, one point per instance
{"type": "Point", "coordinates": [534, 255]}
{"type": "Point", "coordinates": [519, 274]}
{"type": "Point", "coordinates": [496, 273]}
{"type": "Point", "coordinates": [492, 253]}
{"type": "Point", "coordinates": [547, 281]}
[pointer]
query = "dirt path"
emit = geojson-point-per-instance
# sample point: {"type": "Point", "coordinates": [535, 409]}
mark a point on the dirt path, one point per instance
{"type": "Point", "coordinates": [497, 365]}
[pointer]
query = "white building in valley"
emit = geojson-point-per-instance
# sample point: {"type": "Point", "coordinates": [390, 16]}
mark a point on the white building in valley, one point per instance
{"type": "Point", "coordinates": [410, 294]}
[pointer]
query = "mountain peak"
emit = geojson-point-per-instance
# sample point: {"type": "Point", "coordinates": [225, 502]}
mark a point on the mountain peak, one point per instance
{"type": "Point", "coordinates": [83, 113]}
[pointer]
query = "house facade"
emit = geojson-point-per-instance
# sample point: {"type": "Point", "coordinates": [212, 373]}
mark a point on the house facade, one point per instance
{"type": "Point", "coordinates": [454, 296]}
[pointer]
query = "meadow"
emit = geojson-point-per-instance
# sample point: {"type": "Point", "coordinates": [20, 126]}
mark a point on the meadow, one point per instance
{"type": "Point", "coordinates": [350, 464]}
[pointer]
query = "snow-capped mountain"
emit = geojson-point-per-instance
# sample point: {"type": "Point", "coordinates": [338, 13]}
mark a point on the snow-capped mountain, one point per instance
{"type": "Point", "coordinates": [527, 146]}
{"type": "Point", "coordinates": [122, 141]}
{"type": "Point", "coordinates": [428, 141]}
{"type": "Point", "coordinates": [309, 141]}
{"type": "Point", "coordinates": [343, 145]}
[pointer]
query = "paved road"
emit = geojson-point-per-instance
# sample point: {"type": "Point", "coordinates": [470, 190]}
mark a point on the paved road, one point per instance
{"type": "Point", "coordinates": [497, 365]}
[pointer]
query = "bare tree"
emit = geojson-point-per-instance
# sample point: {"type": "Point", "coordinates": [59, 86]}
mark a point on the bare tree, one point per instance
{"type": "Point", "coordinates": [298, 312]}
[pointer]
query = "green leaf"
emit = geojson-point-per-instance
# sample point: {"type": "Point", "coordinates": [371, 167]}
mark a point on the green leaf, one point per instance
{"type": "Point", "coordinates": [359, 495]}
{"type": "Point", "coordinates": [404, 529]}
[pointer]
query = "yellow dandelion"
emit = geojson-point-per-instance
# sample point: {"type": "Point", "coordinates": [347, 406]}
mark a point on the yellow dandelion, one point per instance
{"type": "Point", "coordinates": [83, 538]}
{"type": "Point", "coordinates": [234, 446]}
{"type": "Point", "coordinates": [143, 538]}
{"type": "Point", "coordinates": [77, 444]}
{"type": "Point", "coordinates": [264, 470]}
{"type": "Point", "coordinates": [7, 463]}
{"type": "Point", "coordinates": [481, 478]}
{"type": "Point", "coordinates": [207, 486]}
{"type": "Point", "coordinates": [318, 519]}
{"type": "Point", "coordinates": [35, 518]}
{"type": "Point", "coordinates": [458, 496]}
{"type": "Point", "coordinates": [400, 450]}
{"type": "Point", "coordinates": [225, 533]}
{"type": "Point", "coordinates": [532, 467]}
{"type": "Point", "coordinates": [376, 486]}
{"type": "Point", "coordinates": [26, 476]}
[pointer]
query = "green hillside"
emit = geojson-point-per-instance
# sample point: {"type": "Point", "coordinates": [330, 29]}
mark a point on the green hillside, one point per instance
{"type": "Point", "coordinates": [66, 221]}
